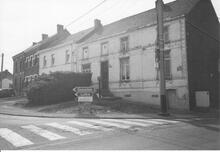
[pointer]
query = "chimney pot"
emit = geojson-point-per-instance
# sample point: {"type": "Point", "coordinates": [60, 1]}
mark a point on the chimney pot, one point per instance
{"type": "Point", "coordinates": [59, 28]}
{"type": "Point", "coordinates": [44, 36]}
{"type": "Point", "coordinates": [97, 23]}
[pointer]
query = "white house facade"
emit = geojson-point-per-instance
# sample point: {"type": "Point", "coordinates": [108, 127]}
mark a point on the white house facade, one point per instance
{"type": "Point", "coordinates": [126, 63]}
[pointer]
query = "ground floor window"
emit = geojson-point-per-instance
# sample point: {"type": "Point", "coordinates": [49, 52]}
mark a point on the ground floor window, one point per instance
{"type": "Point", "coordinates": [124, 69]}
{"type": "Point", "coordinates": [86, 67]}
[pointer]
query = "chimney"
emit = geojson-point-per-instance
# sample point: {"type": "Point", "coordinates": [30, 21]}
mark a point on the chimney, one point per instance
{"type": "Point", "coordinates": [44, 36]}
{"type": "Point", "coordinates": [59, 28]}
{"type": "Point", "coordinates": [34, 43]}
{"type": "Point", "coordinates": [97, 23]}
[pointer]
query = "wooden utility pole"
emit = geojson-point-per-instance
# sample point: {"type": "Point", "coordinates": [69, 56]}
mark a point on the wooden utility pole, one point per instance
{"type": "Point", "coordinates": [160, 46]}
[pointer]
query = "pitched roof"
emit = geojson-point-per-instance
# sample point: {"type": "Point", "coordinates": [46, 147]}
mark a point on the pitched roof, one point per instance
{"type": "Point", "coordinates": [47, 43]}
{"type": "Point", "coordinates": [5, 74]}
{"type": "Point", "coordinates": [177, 8]}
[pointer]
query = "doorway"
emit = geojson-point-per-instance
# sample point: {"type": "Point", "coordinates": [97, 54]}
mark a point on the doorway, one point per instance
{"type": "Point", "coordinates": [104, 75]}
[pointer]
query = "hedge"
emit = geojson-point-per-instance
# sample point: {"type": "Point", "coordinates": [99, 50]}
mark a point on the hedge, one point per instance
{"type": "Point", "coordinates": [56, 87]}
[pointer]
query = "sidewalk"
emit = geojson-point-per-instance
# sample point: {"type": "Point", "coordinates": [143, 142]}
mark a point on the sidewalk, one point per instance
{"type": "Point", "coordinates": [7, 107]}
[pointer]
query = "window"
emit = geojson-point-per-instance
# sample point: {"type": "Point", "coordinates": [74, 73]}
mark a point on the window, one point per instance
{"type": "Point", "coordinates": [73, 57]}
{"type": "Point", "coordinates": [166, 34]}
{"type": "Point", "coordinates": [124, 69]}
{"type": "Point", "coordinates": [104, 48]}
{"type": "Point", "coordinates": [85, 53]}
{"type": "Point", "coordinates": [67, 56]}
{"type": "Point", "coordinates": [52, 59]}
{"type": "Point", "coordinates": [30, 61]}
{"type": "Point", "coordinates": [86, 67]}
{"type": "Point", "coordinates": [124, 44]}
{"type": "Point", "coordinates": [36, 60]}
{"type": "Point", "coordinates": [44, 62]}
{"type": "Point", "coordinates": [167, 64]}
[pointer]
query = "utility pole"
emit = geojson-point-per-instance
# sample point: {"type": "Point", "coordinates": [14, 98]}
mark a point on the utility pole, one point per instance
{"type": "Point", "coordinates": [2, 62]}
{"type": "Point", "coordinates": [160, 46]}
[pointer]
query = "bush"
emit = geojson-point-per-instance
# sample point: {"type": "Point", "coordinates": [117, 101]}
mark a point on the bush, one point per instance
{"type": "Point", "coordinates": [56, 87]}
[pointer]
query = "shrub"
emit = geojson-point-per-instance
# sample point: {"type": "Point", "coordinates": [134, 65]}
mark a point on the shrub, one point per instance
{"type": "Point", "coordinates": [56, 87]}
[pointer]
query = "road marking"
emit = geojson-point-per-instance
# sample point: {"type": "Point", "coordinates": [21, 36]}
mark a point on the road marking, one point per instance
{"type": "Point", "coordinates": [14, 138]}
{"type": "Point", "coordinates": [89, 125]}
{"type": "Point", "coordinates": [129, 122]}
{"type": "Point", "coordinates": [168, 121]}
{"type": "Point", "coordinates": [44, 133]}
{"type": "Point", "coordinates": [68, 128]}
{"type": "Point", "coordinates": [101, 121]}
{"type": "Point", "coordinates": [151, 121]}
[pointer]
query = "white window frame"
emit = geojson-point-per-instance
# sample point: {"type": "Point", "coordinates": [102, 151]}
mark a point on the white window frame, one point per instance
{"type": "Point", "coordinates": [124, 44]}
{"type": "Point", "coordinates": [85, 55]}
{"type": "Point", "coordinates": [125, 69]}
{"type": "Point", "coordinates": [104, 48]}
{"type": "Point", "coordinates": [86, 69]}
{"type": "Point", "coordinates": [67, 56]}
{"type": "Point", "coordinates": [52, 59]}
{"type": "Point", "coordinates": [44, 61]}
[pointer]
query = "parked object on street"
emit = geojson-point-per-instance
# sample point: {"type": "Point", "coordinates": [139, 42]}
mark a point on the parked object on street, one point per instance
{"type": "Point", "coordinates": [6, 93]}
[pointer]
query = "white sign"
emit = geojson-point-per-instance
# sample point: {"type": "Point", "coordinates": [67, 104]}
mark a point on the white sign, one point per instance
{"type": "Point", "coordinates": [84, 94]}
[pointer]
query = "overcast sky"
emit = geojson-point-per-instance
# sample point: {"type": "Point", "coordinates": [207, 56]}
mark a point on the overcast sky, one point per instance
{"type": "Point", "coordinates": [23, 21]}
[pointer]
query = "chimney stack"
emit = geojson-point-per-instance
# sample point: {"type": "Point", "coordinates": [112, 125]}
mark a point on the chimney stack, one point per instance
{"type": "Point", "coordinates": [44, 36]}
{"type": "Point", "coordinates": [59, 28]}
{"type": "Point", "coordinates": [97, 23]}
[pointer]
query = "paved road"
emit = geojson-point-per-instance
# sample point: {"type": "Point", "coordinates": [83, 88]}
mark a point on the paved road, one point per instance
{"type": "Point", "coordinates": [18, 132]}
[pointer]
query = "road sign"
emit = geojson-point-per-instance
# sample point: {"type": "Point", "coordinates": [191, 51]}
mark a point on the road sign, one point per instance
{"type": "Point", "coordinates": [84, 94]}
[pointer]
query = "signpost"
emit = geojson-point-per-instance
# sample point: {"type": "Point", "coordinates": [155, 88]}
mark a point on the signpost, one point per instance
{"type": "Point", "coordinates": [84, 94]}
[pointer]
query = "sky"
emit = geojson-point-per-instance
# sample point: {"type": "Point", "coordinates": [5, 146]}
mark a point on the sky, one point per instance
{"type": "Point", "coordinates": [23, 21]}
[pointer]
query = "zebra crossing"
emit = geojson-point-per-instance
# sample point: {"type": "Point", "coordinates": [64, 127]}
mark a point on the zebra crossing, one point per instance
{"type": "Point", "coordinates": [76, 127]}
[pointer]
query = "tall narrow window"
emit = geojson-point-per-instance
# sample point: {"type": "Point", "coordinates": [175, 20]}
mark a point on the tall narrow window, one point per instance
{"type": "Point", "coordinates": [44, 61]}
{"type": "Point", "coordinates": [104, 48]}
{"type": "Point", "coordinates": [166, 34]}
{"type": "Point", "coordinates": [73, 57]}
{"type": "Point", "coordinates": [85, 53]}
{"type": "Point", "coordinates": [124, 69]}
{"type": "Point", "coordinates": [30, 61]}
{"type": "Point", "coordinates": [67, 56]}
{"type": "Point", "coordinates": [124, 44]}
{"type": "Point", "coordinates": [167, 64]}
{"type": "Point", "coordinates": [86, 67]}
{"type": "Point", "coordinates": [52, 59]}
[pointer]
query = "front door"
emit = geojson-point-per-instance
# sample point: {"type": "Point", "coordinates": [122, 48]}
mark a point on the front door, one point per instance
{"type": "Point", "coordinates": [104, 75]}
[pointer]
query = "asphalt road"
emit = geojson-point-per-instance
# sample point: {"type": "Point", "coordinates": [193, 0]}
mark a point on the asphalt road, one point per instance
{"type": "Point", "coordinates": [18, 132]}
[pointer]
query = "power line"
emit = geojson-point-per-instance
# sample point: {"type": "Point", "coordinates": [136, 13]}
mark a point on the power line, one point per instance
{"type": "Point", "coordinates": [86, 13]}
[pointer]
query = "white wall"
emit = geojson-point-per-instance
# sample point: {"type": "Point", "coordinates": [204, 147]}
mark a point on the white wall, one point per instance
{"type": "Point", "coordinates": [143, 85]}
{"type": "Point", "coordinates": [60, 59]}
{"type": "Point", "coordinates": [6, 83]}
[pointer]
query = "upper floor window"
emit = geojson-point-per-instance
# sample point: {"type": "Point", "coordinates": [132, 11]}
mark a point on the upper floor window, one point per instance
{"type": "Point", "coordinates": [52, 59]}
{"type": "Point", "coordinates": [167, 64]}
{"type": "Point", "coordinates": [166, 34]}
{"type": "Point", "coordinates": [124, 69]}
{"type": "Point", "coordinates": [67, 56]}
{"type": "Point", "coordinates": [124, 44]}
{"type": "Point", "coordinates": [36, 60]}
{"type": "Point", "coordinates": [44, 61]}
{"type": "Point", "coordinates": [73, 57]}
{"type": "Point", "coordinates": [85, 53]}
{"type": "Point", "coordinates": [86, 67]}
{"type": "Point", "coordinates": [104, 48]}
{"type": "Point", "coordinates": [30, 61]}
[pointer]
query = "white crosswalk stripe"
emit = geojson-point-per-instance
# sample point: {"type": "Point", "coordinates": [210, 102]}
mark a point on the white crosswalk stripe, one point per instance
{"type": "Point", "coordinates": [68, 128]}
{"type": "Point", "coordinates": [44, 133]}
{"type": "Point", "coordinates": [84, 124]}
{"type": "Point", "coordinates": [14, 138]}
{"type": "Point", "coordinates": [102, 121]}
{"type": "Point", "coordinates": [151, 121]}
{"type": "Point", "coordinates": [129, 122]}
{"type": "Point", "coordinates": [167, 121]}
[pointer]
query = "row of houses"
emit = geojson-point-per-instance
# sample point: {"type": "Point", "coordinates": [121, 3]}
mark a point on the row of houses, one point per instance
{"type": "Point", "coordinates": [123, 55]}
